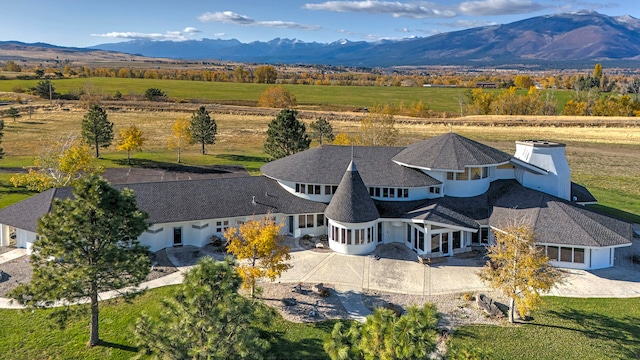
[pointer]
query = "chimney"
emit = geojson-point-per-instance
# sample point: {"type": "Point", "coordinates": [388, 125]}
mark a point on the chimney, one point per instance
{"type": "Point", "coordinates": [549, 156]}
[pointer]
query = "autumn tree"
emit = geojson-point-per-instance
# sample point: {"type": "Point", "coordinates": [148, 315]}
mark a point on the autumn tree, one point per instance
{"type": "Point", "coordinates": [12, 66]}
{"type": "Point", "coordinates": [342, 139]}
{"type": "Point", "coordinates": [202, 128]}
{"type": "Point", "coordinates": [207, 319]}
{"type": "Point", "coordinates": [13, 113]}
{"type": "Point", "coordinates": [378, 128]}
{"type": "Point", "coordinates": [180, 136]}
{"type": "Point", "coordinates": [97, 130]}
{"type": "Point", "coordinates": [286, 135]}
{"type": "Point", "coordinates": [277, 97]}
{"type": "Point", "coordinates": [634, 88]}
{"type": "Point", "coordinates": [60, 163]}
{"type": "Point", "coordinates": [597, 74]}
{"type": "Point", "coordinates": [259, 247]}
{"type": "Point", "coordinates": [322, 130]}
{"type": "Point", "coordinates": [241, 75]}
{"type": "Point", "coordinates": [523, 81]}
{"type": "Point", "coordinates": [130, 140]}
{"type": "Point", "coordinates": [87, 244]}
{"type": "Point", "coordinates": [519, 268]}
{"type": "Point", "coordinates": [265, 74]}
{"type": "Point", "coordinates": [385, 335]}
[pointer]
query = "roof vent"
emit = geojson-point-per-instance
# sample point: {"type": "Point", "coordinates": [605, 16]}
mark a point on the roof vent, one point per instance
{"type": "Point", "coordinates": [253, 200]}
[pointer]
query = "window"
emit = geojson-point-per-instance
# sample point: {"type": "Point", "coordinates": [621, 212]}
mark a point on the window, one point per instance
{"type": "Point", "coordinates": [485, 172]}
{"type": "Point", "coordinates": [434, 189]}
{"type": "Point", "coordinates": [320, 220]}
{"type": "Point", "coordinates": [435, 243]}
{"type": "Point", "coordinates": [334, 188]}
{"type": "Point", "coordinates": [348, 236]}
{"type": "Point", "coordinates": [578, 256]}
{"type": "Point", "coordinates": [445, 243]}
{"type": "Point", "coordinates": [314, 189]}
{"type": "Point", "coordinates": [552, 252]}
{"type": "Point", "coordinates": [305, 221]}
{"type": "Point", "coordinates": [484, 235]}
{"type": "Point", "coordinates": [221, 226]}
{"type": "Point", "coordinates": [385, 192]}
{"type": "Point", "coordinates": [566, 254]}
{"type": "Point", "coordinates": [377, 192]}
{"type": "Point", "coordinates": [421, 240]}
{"type": "Point", "coordinates": [343, 232]}
{"type": "Point", "coordinates": [476, 173]}
{"type": "Point", "coordinates": [371, 191]}
{"type": "Point", "coordinates": [408, 233]}
{"type": "Point", "coordinates": [302, 188]}
{"type": "Point", "coordinates": [405, 193]}
{"type": "Point", "coordinates": [392, 192]}
{"type": "Point", "coordinates": [457, 244]}
{"type": "Point", "coordinates": [309, 220]}
{"type": "Point", "coordinates": [449, 175]}
{"type": "Point", "coordinates": [297, 188]}
{"type": "Point", "coordinates": [327, 190]}
{"type": "Point", "coordinates": [463, 175]}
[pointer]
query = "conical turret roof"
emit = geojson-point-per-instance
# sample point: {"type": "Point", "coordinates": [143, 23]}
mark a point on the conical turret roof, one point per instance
{"type": "Point", "coordinates": [351, 202]}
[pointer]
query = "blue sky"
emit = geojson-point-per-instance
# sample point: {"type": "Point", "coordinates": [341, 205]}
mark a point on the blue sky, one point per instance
{"type": "Point", "coordinates": [83, 23]}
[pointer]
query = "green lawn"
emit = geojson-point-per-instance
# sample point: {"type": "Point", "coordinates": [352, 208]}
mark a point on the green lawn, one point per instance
{"type": "Point", "coordinates": [566, 328]}
{"type": "Point", "coordinates": [438, 99]}
{"type": "Point", "coordinates": [27, 335]}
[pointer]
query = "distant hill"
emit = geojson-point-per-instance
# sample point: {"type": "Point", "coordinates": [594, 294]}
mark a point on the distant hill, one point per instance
{"type": "Point", "coordinates": [561, 40]}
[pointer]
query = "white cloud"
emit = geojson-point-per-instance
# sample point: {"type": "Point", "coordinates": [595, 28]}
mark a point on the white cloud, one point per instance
{"type": "Point", "coordinates": [226, 17]}
{"type": "Point", "coordinates": [169, 35]}
{"type": "Point", "coordinates": [499, 7]}
{"type": "Point", "coordinates": [229, 17]}
{"type": "Point", "coordinates": [465, 24]}
{"type": "Point", "coordinates": [416, 10]}
{"type": "Point", "coordinates": [191, 30]}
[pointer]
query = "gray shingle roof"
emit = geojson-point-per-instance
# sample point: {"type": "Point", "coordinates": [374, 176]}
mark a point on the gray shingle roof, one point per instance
{"type": "Point", "coordinates": [351, 202]}
{"type": "Point", "coordinates": [581, 194]}
{"type": "Point", "coordinates": [176, 201]}
{"type": "Point", "coordinates": [325, 165]}
{"type": "Point", "coordinates": [450, 152]}
{"type": "Point", "coordinates": [555, 220]}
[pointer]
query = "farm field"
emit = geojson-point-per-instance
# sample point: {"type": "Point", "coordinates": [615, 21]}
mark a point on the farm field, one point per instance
{"type": "Point", "coordinates": [354, 97]}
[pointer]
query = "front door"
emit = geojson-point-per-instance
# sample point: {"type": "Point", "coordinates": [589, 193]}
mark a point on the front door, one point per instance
{"type": "Point", "coordinates": [290, 221]}
{"type": "Point", "coordinates": [177, 236]}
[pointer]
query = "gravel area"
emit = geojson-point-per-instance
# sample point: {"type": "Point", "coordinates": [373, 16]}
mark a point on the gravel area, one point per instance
{"type": "Point", "coordinates": [162, 266]}
{"type": "Point", "coordinates": [14, 273]}
{"type": "Point", "coordinates": [304, 305]}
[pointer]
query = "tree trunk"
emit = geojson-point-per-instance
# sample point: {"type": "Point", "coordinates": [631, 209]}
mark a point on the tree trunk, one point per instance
{"type": "Point", "coordinates": [203, 152]}
{"type": "Point", "coordinates": [128, 157]}
{"type": "Point", "coordinates": [97, 150]}
{"type": "Point", "coordinates": [94, 338]}
{"type": "Point", "coordinates": [512, 306]}
{"type": "Point", "coordinates": [178, 155]}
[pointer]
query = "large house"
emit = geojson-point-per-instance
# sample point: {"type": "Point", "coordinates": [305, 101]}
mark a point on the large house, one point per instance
{"type": "Point", "coordinates": [439, 197]}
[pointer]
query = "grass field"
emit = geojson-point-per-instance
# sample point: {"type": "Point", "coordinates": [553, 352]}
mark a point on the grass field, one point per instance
{"type": "Point", "coordinates": [437, 99]}
{"type": "Point", "coordinates": [26, 335]}
{"type": "Point", "coordinates": [565, 329]}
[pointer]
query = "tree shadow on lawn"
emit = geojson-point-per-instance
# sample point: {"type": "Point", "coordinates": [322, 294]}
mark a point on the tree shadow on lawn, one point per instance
{"type": "Point", "coordinates": [624, 332]}
{"type": "Point", "coordinates": [173, 167]}
{"type": "Point", "coordinates": [304, 348]}
{"type": "Point", "coordinates": [118, 346]}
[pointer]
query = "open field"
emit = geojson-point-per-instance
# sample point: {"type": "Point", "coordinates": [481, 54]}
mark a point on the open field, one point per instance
{"type": "Point", "coordinates": [565, 329]}
{"type": "Point", "coordinates": [605, 159]}
{"type": "Point", "coordinates": [437, 99]}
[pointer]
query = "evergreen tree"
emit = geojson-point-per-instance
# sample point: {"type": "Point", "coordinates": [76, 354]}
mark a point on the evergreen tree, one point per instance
{"type": "Point", "coordinates": [203, 128]}
{"type": "Point", "coordinates": [286, 135]}
{"type": "Point", "coordinates": [96, 128]}
{"type": "Point", "coordinates": [322, 130]}
{"type": "Point", "coordinates": [207, 319]}
{"type": "Point", "coordinates": [87, 244]}
{"type": "Point", "coordinates": [44, 89]}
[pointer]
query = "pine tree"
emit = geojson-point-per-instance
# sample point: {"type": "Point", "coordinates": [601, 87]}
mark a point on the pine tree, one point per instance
{"type": "Point", "coordinates": [203, 128]}
{"type": "Point", "coordinates": [96, 128]}
{"type": "Point", "coordinates": [87, 244]}
{"type": "Point", "coordinates": [286, 135]}
{"type": "Point", "coordinates": [322, 130]}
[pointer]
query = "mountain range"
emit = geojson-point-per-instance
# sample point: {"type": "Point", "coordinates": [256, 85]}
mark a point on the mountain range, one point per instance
{"type": "Point", "coordinates": [561, 40]}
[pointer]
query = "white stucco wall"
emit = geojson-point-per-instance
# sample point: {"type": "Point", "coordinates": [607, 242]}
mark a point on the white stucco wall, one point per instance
{"type": "Point", "coordinates": [601, 258]}
{"type": "Point", "coordinates": [25, 239]}
{"type": "Point", "coordinates": [553, 159]}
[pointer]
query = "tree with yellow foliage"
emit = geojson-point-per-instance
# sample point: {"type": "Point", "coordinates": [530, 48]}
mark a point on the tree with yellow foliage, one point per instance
{"type": "Point", "coordinates": [342, 139]}
{"type": "Point", "coordinates": [260, 250]}
{"type": "Point", "coordinates": [519, 268]}
{"type": "Point", "coordinates": [61, 164]}
{"type": "Point", "coordinates": [180, 135]}
{"type": "Point", "coordinates": [277, 97]}
{"type": "Point", "coordinates": [378, 127]}
{"type": "Point", "coordinates": [130, 140]}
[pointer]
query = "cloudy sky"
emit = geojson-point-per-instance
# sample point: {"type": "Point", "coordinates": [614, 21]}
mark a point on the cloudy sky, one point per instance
{"type": "Point", "coordinates": [88, 22]}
